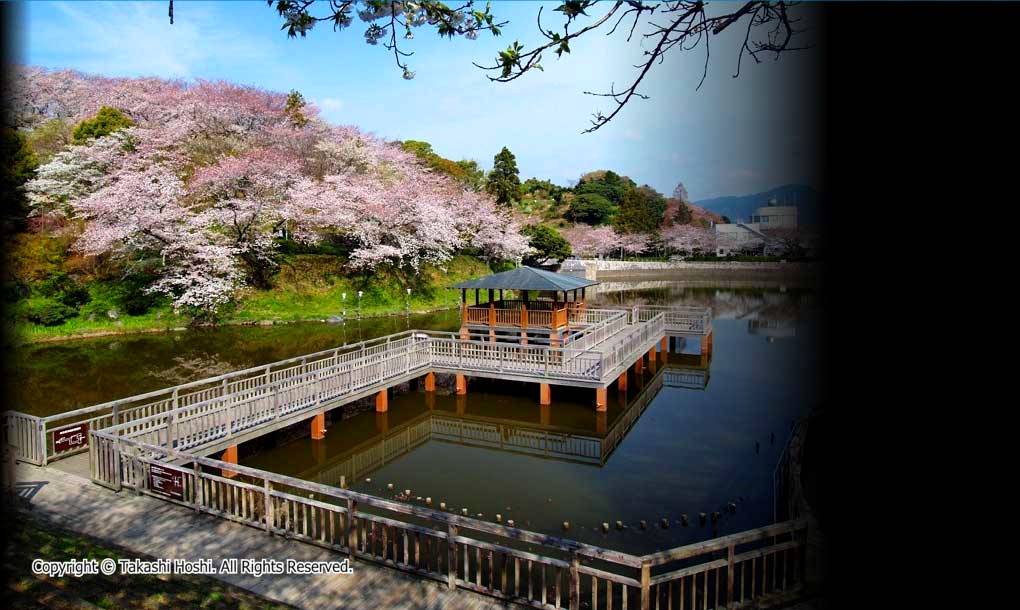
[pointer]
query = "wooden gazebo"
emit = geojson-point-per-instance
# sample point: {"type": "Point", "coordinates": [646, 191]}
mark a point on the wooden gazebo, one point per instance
{"type": "Point", "coordinates": [543, 305]}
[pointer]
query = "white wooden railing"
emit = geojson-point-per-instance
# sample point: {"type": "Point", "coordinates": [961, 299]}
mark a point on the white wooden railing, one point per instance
{"type": "Point", "coordinates": [509, 563]}
{"type": "Point", "coordinates": [191, 414]}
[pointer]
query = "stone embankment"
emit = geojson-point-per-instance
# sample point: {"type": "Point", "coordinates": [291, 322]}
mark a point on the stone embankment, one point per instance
{"type": "Point", "coordinates": [603, 270]}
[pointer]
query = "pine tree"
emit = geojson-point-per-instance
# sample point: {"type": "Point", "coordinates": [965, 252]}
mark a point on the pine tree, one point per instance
{"type": "Point", "coordinates": [504, 183]}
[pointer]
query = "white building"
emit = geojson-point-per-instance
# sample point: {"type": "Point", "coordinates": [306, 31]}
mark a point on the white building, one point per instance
{"type": "Point", "coordinates": [739, 236]}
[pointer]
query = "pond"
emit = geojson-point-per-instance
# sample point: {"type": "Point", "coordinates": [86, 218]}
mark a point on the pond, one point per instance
{"type": "Point", "coordinates": [693, 435]}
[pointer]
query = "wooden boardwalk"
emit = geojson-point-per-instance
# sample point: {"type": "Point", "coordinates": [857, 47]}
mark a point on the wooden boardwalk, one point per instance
{"type": "Point", "coordinates": [157, 444]}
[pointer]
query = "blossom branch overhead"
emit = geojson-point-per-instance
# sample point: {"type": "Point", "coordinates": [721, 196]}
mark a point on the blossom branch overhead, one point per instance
{"type": "Point", "coordinates": [771, 29]}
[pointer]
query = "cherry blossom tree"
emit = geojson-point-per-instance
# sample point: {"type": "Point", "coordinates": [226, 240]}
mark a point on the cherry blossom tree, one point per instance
{"type": "Point", "coordinates": [213, 173]}
{"type": "Point", "coordinates": [689, 238]}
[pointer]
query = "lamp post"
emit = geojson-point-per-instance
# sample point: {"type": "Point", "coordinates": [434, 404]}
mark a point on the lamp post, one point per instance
{"type": "Point", "coordinates": [360, 293]}
{"type": "Point", "coordinates": [407, 302]}
{"type": "Point", "coordinates": [343, 299]}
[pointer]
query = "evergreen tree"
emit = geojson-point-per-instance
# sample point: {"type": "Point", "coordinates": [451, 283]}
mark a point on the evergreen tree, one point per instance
{"type": "Point", "coordinates": [504, 182]}
{"type": "Point", "coordinates": [641, 211]}
{"type": "Point", "coordinates": [547, 242]}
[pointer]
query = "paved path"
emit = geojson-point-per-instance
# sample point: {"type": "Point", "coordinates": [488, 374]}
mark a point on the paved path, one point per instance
{"type": "Point", "coordinates": [146, 525]}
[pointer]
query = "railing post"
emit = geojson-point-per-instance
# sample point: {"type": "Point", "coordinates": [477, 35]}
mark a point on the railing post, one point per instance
{"type": "Point", "coordinates": [198, 488]}
{"type": "Point", "coordinates": [451, 556]}
{"type": "Point", "coordinates": [266, 489]}
{"type": "Point", "coordinates": [276, 401]}
{"type": "Point", "coordinates": [574, 595]}
{"type": "Point", "coordinates": [646, 581]}
{"type": "Point", "coordinates": [352, 532]}
{"type": "Point", "coordinates": [44, 449]}
{"type": "Point", "coordinates": [116, 461]}
{"type": "Point", "coordinates": [729, 577]}
{"type": "Point", "coordinates": [170, 430]}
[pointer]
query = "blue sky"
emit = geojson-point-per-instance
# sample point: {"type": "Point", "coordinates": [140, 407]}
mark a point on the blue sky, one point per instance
{"type": "Point", "coordinates": [733, 137]}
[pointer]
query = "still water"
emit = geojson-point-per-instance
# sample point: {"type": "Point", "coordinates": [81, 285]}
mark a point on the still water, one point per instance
{"type": "Point", "coordinates": [690, 436]}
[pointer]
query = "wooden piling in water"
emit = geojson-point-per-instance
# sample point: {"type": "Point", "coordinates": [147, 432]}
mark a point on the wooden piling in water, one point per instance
{"type": "Point", "coordinates": [544, 394]}
{"type": "Point", "coordinates": [382, 401]}
{"type": "Point", "coordinates": [318, 427]}
{"type": "Point", "coordinates": [230, 455]}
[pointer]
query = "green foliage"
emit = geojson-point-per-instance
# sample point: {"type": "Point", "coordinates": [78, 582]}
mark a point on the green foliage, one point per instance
{"type": "Point", "coordinates": [464, 171]}
{"type": "Point", "coordinates": [682, 214]}
{"type": "Point", "coordinates": [106, 121]}
{"type": "Point", "coordinates": [61, 287]}
{"type": "Point", "coordinates": [641, 211]}
{"type": "Point", "coordinates": [295, 109]}
{"type": "Point", "coordinates": [504, 181]}
{"type": "Point", "coordinates": [49, 138]}
{"type": "Point", "coordinates": [548, 243]}
{"type": "Point", "coordinates": [542, 187]}
{"type": "Point", "coordinates": [591, 208]}
{"type": "Point", "coordinates": [19, 164]}
{"type": "Point", "coordinates": [474, 176]}
{"type": "Point", "coordinates": [608, 184]}
{"type": "Point", "coordinates": [47, 311]}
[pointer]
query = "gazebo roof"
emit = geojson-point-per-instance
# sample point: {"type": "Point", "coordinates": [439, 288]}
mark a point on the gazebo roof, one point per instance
{"type": "Point", "coordinates": [528, 278]}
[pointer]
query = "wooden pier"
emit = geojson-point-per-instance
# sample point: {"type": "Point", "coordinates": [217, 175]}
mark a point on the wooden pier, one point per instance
{"type": "Point", "coordinates": [136, 443]}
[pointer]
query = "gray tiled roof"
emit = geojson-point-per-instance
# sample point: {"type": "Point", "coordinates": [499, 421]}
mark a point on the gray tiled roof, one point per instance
{"type": "Point", "coordinates": [528, 278]}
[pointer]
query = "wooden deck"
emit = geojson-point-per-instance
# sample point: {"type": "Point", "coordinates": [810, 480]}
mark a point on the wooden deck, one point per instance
{"type": "Point", "coordinates": [129, 441]}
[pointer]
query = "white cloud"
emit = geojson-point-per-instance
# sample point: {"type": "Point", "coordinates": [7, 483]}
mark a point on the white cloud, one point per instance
{"type": "Point", "coordinates": [330, 107]}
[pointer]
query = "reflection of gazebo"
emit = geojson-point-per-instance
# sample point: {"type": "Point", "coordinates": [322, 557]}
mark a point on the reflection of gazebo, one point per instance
{"type": "Point", "coordinates": [545, 305]}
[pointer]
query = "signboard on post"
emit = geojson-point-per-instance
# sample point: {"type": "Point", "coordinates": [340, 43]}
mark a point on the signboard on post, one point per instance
{"type": "Point", "coordinates": [69, 439]}
{"type": "Point", "coordinates": [167, 481]}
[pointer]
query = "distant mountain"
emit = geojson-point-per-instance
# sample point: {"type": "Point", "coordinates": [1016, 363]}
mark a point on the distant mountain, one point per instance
{"type": "Point", "coordinates": [806, 198]}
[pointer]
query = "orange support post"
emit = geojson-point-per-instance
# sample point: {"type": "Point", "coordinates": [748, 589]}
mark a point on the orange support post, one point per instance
{"type": "Point", "coordinates": [601, 399]}
{"type": "Point", "coordinates": [382, 402]}
{"type": "Point", "coordinates": [230, 455]}
{"type": "Point", "coordinates": [639, 366]}
{"type": "Point", "coordinates": [461, 384]}
{"type": "Point", "coordinates": [665, 344]}
{"type": "Point", "coordinates": [544, 394]}
{"type": "Point", "coordinates": [430, 382]}
{"type": "Point", "coordinates": [545, 415]}
{"type": "Point", "coordinates": [621, 382]}
{"type": "Point", "coordinates": [651, 355]}
{"type": "Point", "coordinates": [318, 427]}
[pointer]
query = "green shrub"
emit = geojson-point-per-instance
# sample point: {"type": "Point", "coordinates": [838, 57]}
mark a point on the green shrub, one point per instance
{"type": "Point", "coordinates": [61, 287]}
{"type": "Point", "coordinates": [48, 312]}
{"type": "Point", "coordinates": [591, 208]}
{"type": "Point", "coordinates": [106, 121]}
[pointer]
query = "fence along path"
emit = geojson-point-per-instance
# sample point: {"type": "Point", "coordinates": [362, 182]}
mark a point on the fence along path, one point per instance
{"type": "Point", "coordinates": [508, 563]}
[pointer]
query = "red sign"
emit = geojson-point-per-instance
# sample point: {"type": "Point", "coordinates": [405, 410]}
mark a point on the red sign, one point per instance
{"type": "Point", "coordinates": [167, 481]}
{"type": "Point", "coordinates": [69, 439]}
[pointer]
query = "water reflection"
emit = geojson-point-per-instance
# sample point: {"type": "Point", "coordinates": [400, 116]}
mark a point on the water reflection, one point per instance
{"type": "Point", "coordinates": [398, 433]}
{"type": "Point", "coordinates": [57, 377]}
